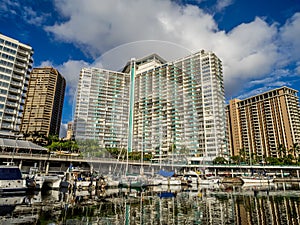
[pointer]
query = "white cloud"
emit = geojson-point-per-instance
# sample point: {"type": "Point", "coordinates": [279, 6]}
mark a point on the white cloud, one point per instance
{"type": "Point", "coordinates": [298, 68]}
{"type": "Point", "coordinates": [290, 33]}
{"type": "Point", "coordinates": [34, 17]}
{"type": "Point", "coordinates": [254, 92]}
{"type": "Point", "coordinates": [249, 51]}
{"type": "Point", "coordinates": [97, 28]}
{"type": "Point", "coordinates": [8, 8]}
{"type": "Point", "coordinates": [70, 71]}
{"type": "Point", "coordinates": [222, 4]}
{"type": "Point", "coordinates": [63, 130]}
{"type": "Point", "coordinates": [13, 9]}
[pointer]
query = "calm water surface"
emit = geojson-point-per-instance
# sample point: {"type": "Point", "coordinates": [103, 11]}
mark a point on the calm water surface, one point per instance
{"type": "Point", "coordinates": [219, 204]}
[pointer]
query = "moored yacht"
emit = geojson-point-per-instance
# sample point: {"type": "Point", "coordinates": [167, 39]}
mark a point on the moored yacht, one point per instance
{"type": "Point", "coordinates": [257, 179]}
{"type": "Point", "coordinates": [192, 177]}
{"type": "Point", "coordinates": [11, 181]}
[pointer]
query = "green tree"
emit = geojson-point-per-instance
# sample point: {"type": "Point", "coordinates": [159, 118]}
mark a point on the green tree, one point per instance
{"type": "Point", "coordinates": [281, 149]}
{"type": "Point", "coordinates": [272, 161]}
{"type": "Point", "coordinates": [295, 149]}
{"type": "Point", "coordinates": [235, 159]}
{"type": "Point", "coordinates": [242, 155]}
{"type": "Point", "coordinates": [219, 160]}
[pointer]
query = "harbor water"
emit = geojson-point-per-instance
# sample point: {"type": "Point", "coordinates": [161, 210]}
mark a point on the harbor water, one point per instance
{"type": "Point", "coordinates": [276, 203]}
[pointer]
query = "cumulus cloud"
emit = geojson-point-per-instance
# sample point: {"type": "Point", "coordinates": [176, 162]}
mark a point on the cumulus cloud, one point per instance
{"type": "Point", "coordinates": [222, 4]}
{"type": "Point", "coordinates": [70, 71]}
{"type": "Point", "coordinates": [298, 68]}
{"type": "Point", "coordinates": [16, 9]}
{"type": "Point", "coordinates": [290, 37]}
{"type": "Point", "coordinates": [33, 17]}
{"type": "Point", "coordinates": [63, 130]}
{"type": "Point", "coordinates": [8, 8]}
{"type": "Point", "coordinates": [250, 51]}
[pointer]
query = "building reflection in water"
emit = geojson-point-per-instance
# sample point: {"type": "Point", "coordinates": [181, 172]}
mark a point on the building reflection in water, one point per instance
{"type": "Point", "coordinates": [219, 204]}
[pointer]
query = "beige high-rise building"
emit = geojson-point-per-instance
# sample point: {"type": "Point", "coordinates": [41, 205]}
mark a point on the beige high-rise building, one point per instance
{"type": "Point", "coordinates": [44, 103]}
{"type": "Point", "coordinates": [261, 124]}
{"type": "Point", "coordinates": [15, 65]}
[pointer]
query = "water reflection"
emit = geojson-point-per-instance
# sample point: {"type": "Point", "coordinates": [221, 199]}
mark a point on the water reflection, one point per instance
{"type": "Point", "coordinates": [278, 203]}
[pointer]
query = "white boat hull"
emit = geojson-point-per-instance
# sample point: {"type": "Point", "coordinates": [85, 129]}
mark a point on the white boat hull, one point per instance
{"type": "Point", "coordinates": [11, 181]}
{"type": "Point", "coordinates": [192, 177]}
{"type": "Point", "coordinates": [170, 181]}
{"type": "Point", "coordinates": [13, 187]}
{"type": "Point", "coordinates": [256, 180]}
{"type": "Point", "coordinates": [51, 182]}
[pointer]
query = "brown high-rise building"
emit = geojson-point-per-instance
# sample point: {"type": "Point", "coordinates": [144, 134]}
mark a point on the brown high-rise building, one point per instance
{"type": "Point", "coordinates": [262, 124]}
{"type": "Point", "coordinates": [44, 103]}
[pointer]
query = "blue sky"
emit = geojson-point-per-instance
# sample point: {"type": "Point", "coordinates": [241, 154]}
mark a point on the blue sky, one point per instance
{"type": "Point", "coordinates": [258, 41]}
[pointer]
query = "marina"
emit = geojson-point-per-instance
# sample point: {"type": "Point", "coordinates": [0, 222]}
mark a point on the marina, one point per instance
{"type": "Point", "coordinates": [100, 192]}
{"type": "Point", "coordinates": [196, 204]}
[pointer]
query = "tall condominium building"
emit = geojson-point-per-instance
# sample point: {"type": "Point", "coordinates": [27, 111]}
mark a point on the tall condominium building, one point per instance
{"type": "Point", "coordinates": [44, 103]}
{"type": "Point", "coordinates": [262, 123]}
{"type": "Point", "coordinates": [15, 65]}
{"type": "Point", "coordinates": [156, 106]}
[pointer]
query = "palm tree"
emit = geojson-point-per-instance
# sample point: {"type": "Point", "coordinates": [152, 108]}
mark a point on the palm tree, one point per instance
{"type": "Point", "coordinates": [281, 150]}
{"type": "Point", "coordinates": [295, 150]}
{"type": "Point", "coordinates": [242, 154]}
{"type": "Point", "coordinates": [235, 159]}
{"type": "Point", "coordinates": [219, 160]}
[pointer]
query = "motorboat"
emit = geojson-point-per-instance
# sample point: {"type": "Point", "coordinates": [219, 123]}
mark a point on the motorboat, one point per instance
{"type": "Point", "coordinates": [192, 177]}
{"type": "Point", "coordinates": [169, 178]}
{"type": "Point", "coordinates": [51, 181]}
{"type": "Point", "coordinates": [209, 180]}
{"type": "Point", "coordinates": [133, 181]}
{"type": "Point", "coordinates": [111, 181]}
{"type": "Point", "coordinates": [11, 180]}
{"type": "Point", "coordinates": [257, 179]}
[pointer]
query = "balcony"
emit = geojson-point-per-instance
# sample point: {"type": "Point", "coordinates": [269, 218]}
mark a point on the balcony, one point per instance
{"type": "Point", "coordinates": [6, 126]}
{"type": "Point", "coordinates": [9, 111]}
{"type": "Point", "coordinates": [17, 77]}
{"type": "Point", "coordinates": [14, 90]}
{"type": "Point", "coordinates": [13, 97]}
{"type": "Point", "coordinates": [16, 84]}
{"type": "Point", "coordinates": [22, 58]}
{"type": "Point", "coordinates": [22, 52]}
{"type": "Point", "coordinates": [20, 64]}
{"type": "Point", "coordinates": [12, 104]}
{"type": "Point", "coordinates": [7, 118]}
{"type": "Point", "coordinates": [19, 71]}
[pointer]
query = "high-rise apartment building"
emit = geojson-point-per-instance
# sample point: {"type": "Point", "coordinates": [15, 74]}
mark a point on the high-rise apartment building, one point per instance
{"type": "Point", "coordinates": [156, 106]}
{"type": "Point", "coordinates": [262, 123]}
{"type": "Point", "coordinates": [102, 107]}
{"type": "Point", "coordinates": [15, 65]}
{"type": "Point", "coordinates": [44, 103]}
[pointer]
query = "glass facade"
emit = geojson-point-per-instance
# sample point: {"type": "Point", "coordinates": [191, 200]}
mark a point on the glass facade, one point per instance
{"type": "Point", "coordinates": [102, 107]}
{"type": "Point", "coordinates": [178, 107]}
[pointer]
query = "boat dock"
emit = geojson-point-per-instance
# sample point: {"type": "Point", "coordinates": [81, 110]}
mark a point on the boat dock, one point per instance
{"type": "Point", "coordinates": [49, 162]}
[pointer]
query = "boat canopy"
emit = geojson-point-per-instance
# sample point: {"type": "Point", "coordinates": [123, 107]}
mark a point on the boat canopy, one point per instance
{"type": "Point", "coordinates": [166, 173]}
{"type": "Point", "coordinates": [10, 173]}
